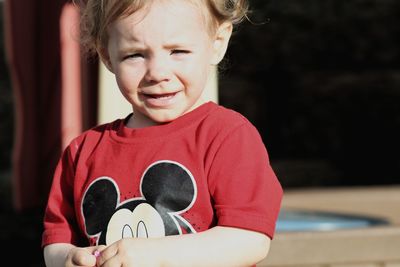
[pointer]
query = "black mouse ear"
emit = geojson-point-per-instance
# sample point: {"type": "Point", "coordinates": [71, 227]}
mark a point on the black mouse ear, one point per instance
{"type": "Point", "coordinates": [99, 203]}
{"type": "Point", "coordinates": [168, 186]}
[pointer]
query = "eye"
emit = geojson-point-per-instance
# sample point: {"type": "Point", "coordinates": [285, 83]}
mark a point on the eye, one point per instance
{"type": "Point", "coordinates": [133, 56]}
{"type": "Point", "coordinates": [148, 221]}
{"type": "Point", "coordinates": [179, 51]}
{"type": "Point", "coordinates": [144, 221]}
{"type": "Point", "coordinates": [120, 226]}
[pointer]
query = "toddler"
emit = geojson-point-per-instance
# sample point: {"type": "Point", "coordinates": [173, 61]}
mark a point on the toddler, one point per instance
{"type": "Point", "coordinates": [180, 181]}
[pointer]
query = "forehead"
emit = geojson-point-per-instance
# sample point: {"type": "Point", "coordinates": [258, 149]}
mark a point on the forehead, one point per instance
{"type": "Point", "coordinates": [161, 19]}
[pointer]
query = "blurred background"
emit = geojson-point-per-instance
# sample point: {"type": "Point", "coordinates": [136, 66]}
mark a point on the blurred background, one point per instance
{"type": "Point", "coordinates": [319, 79]}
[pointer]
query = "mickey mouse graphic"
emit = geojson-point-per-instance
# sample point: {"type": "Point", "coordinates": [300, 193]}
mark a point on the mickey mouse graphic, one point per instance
{"type": "Point", "coordinates": [167, 188]}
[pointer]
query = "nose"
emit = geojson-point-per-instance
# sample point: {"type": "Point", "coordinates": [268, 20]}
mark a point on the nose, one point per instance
{"type": "Point", "coordinates": [158, 70]}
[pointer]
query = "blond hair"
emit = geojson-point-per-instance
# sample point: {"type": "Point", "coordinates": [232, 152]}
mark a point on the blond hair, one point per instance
{"type": "Point", "coordinates": [97, 15]}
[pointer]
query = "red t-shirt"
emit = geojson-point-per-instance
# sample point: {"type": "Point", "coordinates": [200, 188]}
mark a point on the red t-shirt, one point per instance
{"type": "Point", "coordinates": [209, 167]}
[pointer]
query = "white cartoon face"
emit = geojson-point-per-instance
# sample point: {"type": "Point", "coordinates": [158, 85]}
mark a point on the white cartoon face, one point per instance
{"type": "Point", "coordinates": [143, 222]}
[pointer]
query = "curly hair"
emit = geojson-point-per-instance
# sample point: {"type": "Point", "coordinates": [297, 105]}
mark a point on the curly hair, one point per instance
{"type": "Point", "coordinates": [97, 15]}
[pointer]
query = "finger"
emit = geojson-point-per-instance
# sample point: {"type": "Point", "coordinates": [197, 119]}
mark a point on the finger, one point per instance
{"type": "Point", "coordinates": [83, 257]}
{"type": "Point", "coordinates": [100, 248]}
{"type": "Point", "coordinates": [115, 261]}
{"type": "Point", "coordinates": [96, 250]}
{"type": "Point", "coordinates": [105, 254]}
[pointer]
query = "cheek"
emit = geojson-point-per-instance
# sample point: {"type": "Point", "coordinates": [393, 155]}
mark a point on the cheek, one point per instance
{"type": "Point", "coordinates": [128, 79]}
{"type": "Point", "coordinates": [196, 70]}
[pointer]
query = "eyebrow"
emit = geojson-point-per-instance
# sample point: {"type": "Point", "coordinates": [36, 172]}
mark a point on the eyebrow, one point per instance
{"type": "Point", "coordinates": [178, 44]}
{"type": "Point", "coordinates": [135, 45]}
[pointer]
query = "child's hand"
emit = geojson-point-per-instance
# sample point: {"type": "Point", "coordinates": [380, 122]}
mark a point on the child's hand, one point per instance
{"type": "Point", "coordinates": [130, 252]}
{"type": "Point", "coordinates": [83, 257]}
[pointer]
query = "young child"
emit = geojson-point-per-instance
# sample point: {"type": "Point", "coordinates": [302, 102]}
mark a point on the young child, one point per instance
{"type": "Point", "coordinates": [180, 181]}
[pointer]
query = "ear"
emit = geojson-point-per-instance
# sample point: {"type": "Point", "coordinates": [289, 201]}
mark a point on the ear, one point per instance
{"type": "Point", "coordinates": [220, 45]}
{"type": "Point", "coordinates": [169, 185]}
{"type": "Point", "coordinates": [99, 204]}
{"type": "Point", "coordinates": [105, 58]}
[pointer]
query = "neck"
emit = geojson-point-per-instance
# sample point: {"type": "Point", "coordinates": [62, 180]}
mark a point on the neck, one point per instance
{"type": "Point", "coordinates": [138, 120]}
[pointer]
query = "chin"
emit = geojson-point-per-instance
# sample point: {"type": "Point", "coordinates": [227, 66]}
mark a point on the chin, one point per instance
{"type": "Point", "coordinates": [164, 118]}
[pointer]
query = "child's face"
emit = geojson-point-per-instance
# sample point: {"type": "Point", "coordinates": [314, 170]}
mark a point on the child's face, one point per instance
{"type": "Point", "coordinates": [161, 58]}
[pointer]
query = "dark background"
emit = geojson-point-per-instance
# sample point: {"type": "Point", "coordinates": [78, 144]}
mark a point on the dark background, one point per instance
{"type": "Point", "coordinates": [319, 79]}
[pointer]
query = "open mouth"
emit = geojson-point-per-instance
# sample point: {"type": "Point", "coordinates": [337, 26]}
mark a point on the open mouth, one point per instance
{"type": "Point", "coordinates": [160, 96]}
{"type": "Point", "coordinates": [160, 100]}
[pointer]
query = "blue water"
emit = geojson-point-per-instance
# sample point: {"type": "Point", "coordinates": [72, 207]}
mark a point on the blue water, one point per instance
{"type": "Point", "coordinates": [290, 220]}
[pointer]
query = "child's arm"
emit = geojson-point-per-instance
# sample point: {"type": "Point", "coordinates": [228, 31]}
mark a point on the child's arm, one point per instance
{"type": "Point", "coordinates": [218, 246]}
{"type": "Point", "coordinates": [63, 254]}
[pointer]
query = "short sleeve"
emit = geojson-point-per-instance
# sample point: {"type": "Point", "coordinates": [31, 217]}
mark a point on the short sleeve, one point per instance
{"type": "Point", "coordinates": [243, 185]}
{"type": "Point", "coordinates": [59, 218]}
